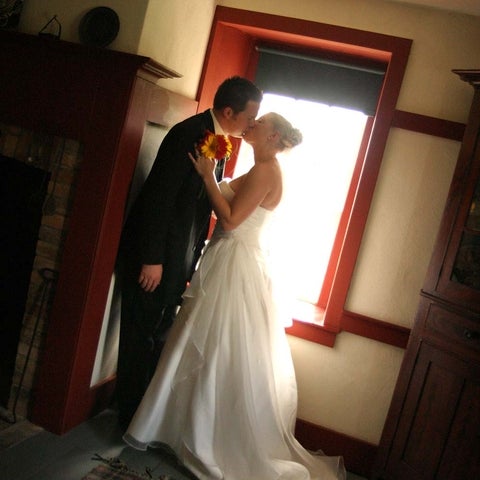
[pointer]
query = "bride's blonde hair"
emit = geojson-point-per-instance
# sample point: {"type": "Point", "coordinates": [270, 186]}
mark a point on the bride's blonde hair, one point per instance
{"type": "Point", "coordinates": [289, 136]}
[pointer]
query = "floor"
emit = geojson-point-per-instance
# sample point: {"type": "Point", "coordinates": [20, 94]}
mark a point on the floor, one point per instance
{"type": "Point", "coordinates": [27, 452]}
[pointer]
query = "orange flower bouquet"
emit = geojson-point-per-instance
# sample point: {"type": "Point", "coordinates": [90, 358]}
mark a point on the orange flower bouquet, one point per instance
{"type": "Point", "coordinates": [215, 146]}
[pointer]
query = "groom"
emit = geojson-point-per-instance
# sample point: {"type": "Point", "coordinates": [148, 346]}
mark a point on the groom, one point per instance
{"type": "Point", "coordinates": [163, 237]}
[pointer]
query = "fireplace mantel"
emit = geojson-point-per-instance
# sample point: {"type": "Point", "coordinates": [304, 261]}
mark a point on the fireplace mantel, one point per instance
{"type": "Point", "coordinates": [103, 99]}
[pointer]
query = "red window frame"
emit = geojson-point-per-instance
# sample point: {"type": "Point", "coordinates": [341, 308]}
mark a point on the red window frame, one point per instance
{"type": "Point", "coordinates": [231, 51]}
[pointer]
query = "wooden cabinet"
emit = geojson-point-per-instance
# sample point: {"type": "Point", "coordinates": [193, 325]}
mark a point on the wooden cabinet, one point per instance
{"type": "Point", "coordinates": [432, 429]}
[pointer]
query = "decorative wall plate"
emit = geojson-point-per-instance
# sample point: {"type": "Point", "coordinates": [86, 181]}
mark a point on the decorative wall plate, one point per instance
{"type": "Point", "coordinates": [99, 27]}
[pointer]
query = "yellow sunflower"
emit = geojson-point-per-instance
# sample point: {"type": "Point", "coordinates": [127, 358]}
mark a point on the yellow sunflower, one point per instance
{"type": "Point", "coordinates": [215, 146]}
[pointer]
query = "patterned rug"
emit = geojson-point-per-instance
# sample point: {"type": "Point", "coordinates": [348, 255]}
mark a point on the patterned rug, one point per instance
{"type": "Point", "coordinates": [115, 469]}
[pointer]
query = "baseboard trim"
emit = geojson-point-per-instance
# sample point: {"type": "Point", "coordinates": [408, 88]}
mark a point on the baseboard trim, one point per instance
{"type": "Point", "coordinates": [358, 455]}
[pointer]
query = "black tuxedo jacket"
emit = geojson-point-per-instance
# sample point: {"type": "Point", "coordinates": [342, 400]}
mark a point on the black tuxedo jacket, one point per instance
{"type": "Point", "coordinates": [169, 221]}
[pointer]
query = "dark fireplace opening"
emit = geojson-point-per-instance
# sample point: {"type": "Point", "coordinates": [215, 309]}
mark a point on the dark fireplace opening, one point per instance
{"type": "Point", "coordinates": [23, 189]}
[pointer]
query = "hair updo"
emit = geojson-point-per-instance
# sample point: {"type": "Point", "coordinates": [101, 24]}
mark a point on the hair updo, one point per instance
{"type": "Point", "coordinates": [289, 136]}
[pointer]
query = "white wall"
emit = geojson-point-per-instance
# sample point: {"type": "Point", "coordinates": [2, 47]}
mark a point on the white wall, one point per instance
{"type": "Point", "coordinates": [347, 388]}
{"type": "Point", "coordinates": [176, 35]}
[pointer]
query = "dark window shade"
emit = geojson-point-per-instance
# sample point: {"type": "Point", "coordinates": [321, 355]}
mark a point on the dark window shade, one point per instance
{"type": "Point", "coordinates": [318, 80]}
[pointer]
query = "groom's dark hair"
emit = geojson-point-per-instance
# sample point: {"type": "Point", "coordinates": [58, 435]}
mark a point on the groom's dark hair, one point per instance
{"type": "Point", "coordinates": [236, 92]}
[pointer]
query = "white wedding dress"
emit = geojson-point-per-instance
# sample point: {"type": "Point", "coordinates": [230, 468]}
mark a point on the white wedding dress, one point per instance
{"type": "Point", "coordinates": [224, 394]}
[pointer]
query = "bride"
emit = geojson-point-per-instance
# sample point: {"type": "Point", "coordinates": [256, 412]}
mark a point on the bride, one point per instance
{"type": "Point", "coordinates": [224, 395]}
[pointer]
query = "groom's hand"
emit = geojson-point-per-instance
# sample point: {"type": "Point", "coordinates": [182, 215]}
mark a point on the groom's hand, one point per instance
{"type": "Point", "coordinates": [150, 276]}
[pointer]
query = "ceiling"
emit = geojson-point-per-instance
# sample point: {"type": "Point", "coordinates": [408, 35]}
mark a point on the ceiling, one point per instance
{"type": "Point", "coordinates": [471, 7]}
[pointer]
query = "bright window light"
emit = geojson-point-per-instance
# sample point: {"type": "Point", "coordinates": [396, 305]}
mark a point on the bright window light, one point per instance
{"type": "Point", "coordinates": [316, 177]}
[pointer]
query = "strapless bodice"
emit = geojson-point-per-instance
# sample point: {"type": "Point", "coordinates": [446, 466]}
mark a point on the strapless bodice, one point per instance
{"type": "Point", "coordinates": [252, 229]}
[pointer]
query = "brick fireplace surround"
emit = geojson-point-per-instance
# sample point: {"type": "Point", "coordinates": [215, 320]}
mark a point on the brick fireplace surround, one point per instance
{"type": "Point", "coordinates": [95, 103]}
{"type": "Point", "coordinates": [61, 159]}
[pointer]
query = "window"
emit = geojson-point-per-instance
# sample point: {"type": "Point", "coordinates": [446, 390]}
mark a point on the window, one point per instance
{"type": "Point", "coordinates": [232, 50]}
{"type": "Point", "coordinates": [317, 175]}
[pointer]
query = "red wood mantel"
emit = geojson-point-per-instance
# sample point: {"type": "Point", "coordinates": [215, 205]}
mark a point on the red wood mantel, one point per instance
{"type": "Point", "coordinates": [101, 98]}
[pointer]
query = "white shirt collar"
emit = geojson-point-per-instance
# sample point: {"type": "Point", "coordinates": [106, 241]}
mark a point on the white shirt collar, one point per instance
{"type": "Point", "coordinates": [216, 125]}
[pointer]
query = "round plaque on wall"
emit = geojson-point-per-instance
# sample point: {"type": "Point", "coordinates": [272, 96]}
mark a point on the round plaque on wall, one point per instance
{"type": "Point", "coordinates": [99, 27]}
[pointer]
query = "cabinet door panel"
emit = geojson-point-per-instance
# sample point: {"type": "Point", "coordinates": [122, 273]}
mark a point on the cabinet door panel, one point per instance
{"type": "Point", "coordinates": [428, 421]}
{"type": "Point", "coordinates": [461, 459]}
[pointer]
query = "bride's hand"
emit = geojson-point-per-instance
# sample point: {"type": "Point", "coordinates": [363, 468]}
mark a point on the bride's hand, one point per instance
{"type": "Point", "coordinates": [203, 165]}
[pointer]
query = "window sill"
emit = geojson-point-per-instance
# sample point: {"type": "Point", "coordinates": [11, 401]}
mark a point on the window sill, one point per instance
{"type": "Point", "coordinates": [308, 322]}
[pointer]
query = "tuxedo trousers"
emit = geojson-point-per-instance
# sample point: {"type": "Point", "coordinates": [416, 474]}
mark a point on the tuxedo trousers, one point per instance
{"type": "Point", "coordinates": [144, 325]}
